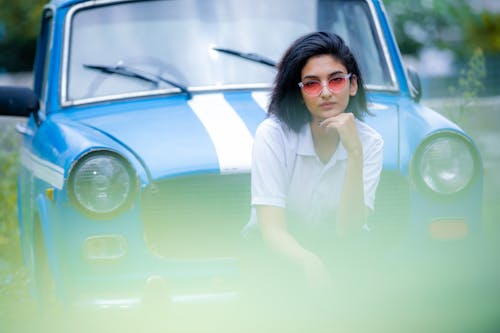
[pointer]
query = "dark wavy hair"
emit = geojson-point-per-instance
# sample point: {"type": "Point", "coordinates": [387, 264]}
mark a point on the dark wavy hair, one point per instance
{"type": "Point", "coordinates": [286, 99]}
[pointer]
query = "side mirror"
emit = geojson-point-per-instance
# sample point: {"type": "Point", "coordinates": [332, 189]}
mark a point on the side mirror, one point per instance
{"type": "Point", "coordinates": [415, 85]}
{"type": "Point", "coordinates": [17, 101]}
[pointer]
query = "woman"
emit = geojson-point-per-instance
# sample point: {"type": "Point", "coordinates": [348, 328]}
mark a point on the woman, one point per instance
{"type": "Point", "coordinates": [315, 165]}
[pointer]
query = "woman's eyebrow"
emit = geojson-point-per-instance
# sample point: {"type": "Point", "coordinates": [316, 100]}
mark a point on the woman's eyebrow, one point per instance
{"type": "Point", "coordinates": [335, 73]}
{"type": "Point", "coordinates": [312, 76]}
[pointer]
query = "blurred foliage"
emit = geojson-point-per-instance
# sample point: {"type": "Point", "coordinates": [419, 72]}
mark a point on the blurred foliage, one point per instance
{"type": "Point", "coordinates": [450, 24]}
{"type": "Point", "coordinates": [9, 238]}
{"type": "Point", "coordinates": [470, 84]}
{"type": "Point", "coordinates": [483, 31]}
{"type": "Point", "coordinates": [19, 22]}
{"type": "Point", "coordinates": [13, 276]}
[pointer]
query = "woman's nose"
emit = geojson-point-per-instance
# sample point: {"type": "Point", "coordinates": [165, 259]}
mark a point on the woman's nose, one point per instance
{"type": "Point", "coordinates": [325, 91]}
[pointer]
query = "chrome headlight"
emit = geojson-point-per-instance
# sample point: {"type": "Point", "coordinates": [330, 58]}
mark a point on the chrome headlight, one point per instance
{"type": "Point", "coordinates": [102, 184]}
{"type": "Point", "coordinates": [446, 163]}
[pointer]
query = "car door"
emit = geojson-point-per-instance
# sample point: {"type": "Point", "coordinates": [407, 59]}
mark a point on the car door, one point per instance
{"type": "Point", "coordinates": [29, 161]}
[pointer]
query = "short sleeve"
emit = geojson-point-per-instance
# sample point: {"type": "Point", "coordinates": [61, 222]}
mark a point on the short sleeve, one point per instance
{"type": "Point", "coordinates": [269, 176]}
{"type": "Point", "coordinates": [372, 165]}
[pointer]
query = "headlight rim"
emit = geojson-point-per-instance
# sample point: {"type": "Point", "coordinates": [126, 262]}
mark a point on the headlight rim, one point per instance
{"type": "Point", "coordinates": [134, 184]}
{"type": "Point", "coordinates": [416, 176]}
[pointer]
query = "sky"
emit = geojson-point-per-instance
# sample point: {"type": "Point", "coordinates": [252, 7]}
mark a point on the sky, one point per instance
{"type": "Point", "coordinates": [493, 5]}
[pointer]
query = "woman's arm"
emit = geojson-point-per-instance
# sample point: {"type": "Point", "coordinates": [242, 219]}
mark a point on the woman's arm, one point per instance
{"type": "Point", "coordinates": [351, 212]}
{"type": "Point", "coordinates": [272, 224]}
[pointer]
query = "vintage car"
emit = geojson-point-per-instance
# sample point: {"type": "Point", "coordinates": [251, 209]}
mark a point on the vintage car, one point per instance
{"type": "Point", "coordinates": [135, 156]}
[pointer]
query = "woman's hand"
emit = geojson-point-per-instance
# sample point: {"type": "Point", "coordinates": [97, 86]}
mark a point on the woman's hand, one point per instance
{"type": "Point", "coordinates": [275, 233]}
{"type": "Point", "coordinates": [317, 275]}
{"type": "Point", "coordinates": [345, 125]}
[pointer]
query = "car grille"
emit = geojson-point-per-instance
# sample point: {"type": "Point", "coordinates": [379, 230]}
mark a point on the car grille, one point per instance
{"type": "Point", "coordinates": [197, 216]}
{"type": "Point", "coordinates": [390, 218]}
{"type": "Point", "coordinates": [202, 216]}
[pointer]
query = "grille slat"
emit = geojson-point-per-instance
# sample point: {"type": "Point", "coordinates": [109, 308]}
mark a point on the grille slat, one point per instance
{"type": "Point", "coordinates": [197, 216]}
{"type": "Point", "coordinates": [390, 218]}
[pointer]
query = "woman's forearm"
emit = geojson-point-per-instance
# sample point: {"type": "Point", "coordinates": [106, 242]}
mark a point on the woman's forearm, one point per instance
{"type": "Point", "coordinates": [351, 214]}
{"type": "Point", "coordinates": [273, 227]}
{"type": "Point", "coordinates": [274, 231]}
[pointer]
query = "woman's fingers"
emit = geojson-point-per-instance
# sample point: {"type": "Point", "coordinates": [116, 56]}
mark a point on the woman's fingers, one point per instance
{"type": "Point", "coordinates": [345, 125]}
{"type": "Point", "coordinates": [317, 274]}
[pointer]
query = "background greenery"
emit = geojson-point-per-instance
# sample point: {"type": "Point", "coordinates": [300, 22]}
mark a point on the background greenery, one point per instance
{"type": "Point", "coordinates": [8, 165]}
{"type": "Point", "coordinates": [454, 26]}
{"type": "Point", "coordinates": [448, 24]}
{"type": "Point", "coordinates": [19, 24]}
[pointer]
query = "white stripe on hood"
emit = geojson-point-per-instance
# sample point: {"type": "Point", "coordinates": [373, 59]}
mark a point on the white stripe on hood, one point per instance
{"type": "Point", "coordinates": [231, 138]}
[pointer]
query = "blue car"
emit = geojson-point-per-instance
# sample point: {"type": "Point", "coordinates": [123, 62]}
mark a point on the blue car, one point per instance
{"type": "Point", "coordinates": [135, 156]}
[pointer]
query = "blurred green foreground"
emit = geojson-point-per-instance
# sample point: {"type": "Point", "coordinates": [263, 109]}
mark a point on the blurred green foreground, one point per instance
{"type": "Point", "coordinates": [454, 290]}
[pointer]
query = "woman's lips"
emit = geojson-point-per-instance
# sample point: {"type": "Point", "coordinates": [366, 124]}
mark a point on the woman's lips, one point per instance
{"type": "Point", "coordinates": [327, 105]}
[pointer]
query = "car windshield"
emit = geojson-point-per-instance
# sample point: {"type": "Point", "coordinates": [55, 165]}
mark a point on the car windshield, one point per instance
{"type": "Point", "coordinates": [205, 45]}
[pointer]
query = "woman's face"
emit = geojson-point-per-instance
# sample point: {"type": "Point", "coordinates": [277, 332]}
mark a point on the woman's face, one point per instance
{"type": "Point", "coordinates": [324, 68]}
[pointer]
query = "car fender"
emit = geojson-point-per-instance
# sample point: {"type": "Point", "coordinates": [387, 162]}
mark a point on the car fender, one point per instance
{"type": "Point", "coordinates": [49, 245]}
{"type": "Point", "coordinates": [415, 124]}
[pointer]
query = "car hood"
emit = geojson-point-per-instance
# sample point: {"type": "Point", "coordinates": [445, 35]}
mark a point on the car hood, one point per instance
{"type": "Point", "coordinates": [172, 136]}
{"type": "Point", "coordinates": [384, 118]}
{"type": "Point", "coordinates": [209, 133]}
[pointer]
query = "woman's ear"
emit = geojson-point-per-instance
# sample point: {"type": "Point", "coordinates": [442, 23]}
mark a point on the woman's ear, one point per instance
{"type": "Point", "coordinates": [353, 87]}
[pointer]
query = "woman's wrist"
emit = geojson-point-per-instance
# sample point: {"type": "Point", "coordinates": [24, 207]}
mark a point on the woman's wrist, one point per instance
{"type": "Point", "coordinates": [309, 258]}
{"type": "Point", "coordinates": [355, 154]}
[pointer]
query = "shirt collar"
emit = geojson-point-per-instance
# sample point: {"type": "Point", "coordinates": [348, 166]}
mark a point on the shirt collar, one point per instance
{"type": "Point", "coordinates": [306, 145]}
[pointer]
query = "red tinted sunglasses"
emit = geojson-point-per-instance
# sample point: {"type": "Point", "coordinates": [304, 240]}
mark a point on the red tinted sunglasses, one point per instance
{"type": "Point", "coordinates": [335, 84]}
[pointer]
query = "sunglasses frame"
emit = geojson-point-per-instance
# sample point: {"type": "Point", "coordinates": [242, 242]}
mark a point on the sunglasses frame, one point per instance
{"type": "Point", "coordinates": [325, 84]}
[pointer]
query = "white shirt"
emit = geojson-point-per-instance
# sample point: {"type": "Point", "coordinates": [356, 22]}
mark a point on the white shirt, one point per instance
{"type": "Point", "coordinates": [287, 172]}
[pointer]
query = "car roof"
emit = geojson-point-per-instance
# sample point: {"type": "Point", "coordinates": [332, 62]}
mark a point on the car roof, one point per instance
{"type": "Point", "coordinates": [64, 3]}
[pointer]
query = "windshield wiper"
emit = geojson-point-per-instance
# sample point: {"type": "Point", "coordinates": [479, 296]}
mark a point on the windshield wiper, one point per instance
{"type": "Point", "coordinates": [138, 74]}
{"type": "Point", "coordinates": [248, 56]}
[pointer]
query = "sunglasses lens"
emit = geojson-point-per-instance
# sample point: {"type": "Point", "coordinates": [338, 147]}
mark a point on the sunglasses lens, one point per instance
{"type": "Point", "coordinates": [312, 87]}
{"type": "Point", "coordinates": [336, 83]}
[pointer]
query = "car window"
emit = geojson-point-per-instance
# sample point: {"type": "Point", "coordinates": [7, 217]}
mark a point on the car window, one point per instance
{"type": "Point", "coordinates": [176, 40]}
{"type": "Point", "coordinates": [350, 19]}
